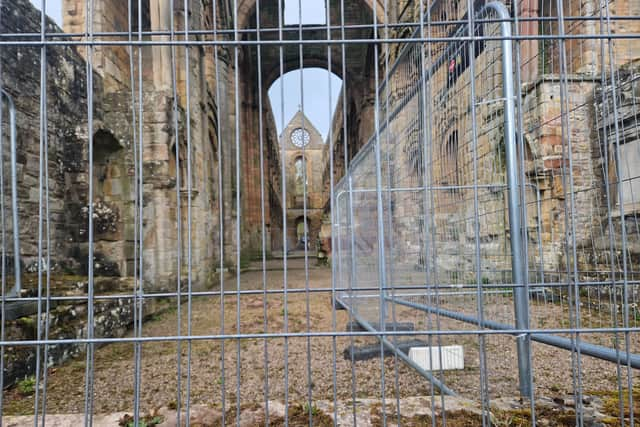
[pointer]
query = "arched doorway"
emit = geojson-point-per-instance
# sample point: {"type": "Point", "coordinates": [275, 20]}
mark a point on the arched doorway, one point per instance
{"type": "Point", "coordinates": [303, 233]}
{"type": "Point", "coordinates": [258, 67]}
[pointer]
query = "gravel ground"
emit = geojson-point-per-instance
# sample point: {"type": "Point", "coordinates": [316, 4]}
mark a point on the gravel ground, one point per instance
{"type": "Point", "coordinates": [260, 362]}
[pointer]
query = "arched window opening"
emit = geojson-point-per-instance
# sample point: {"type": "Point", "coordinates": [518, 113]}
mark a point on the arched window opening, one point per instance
{"type": "Point", "coordinates": [302, 233]}
{"type": "Point", "coordinates": [299, 175]}
{"type": "Point", "coordinates": [414, 152]}
{"type": "Point", "coordinates": [450, 166]}
{"type": "Point", "coordinates": [108, 167]}
{"type": "Point", "coordinates": [314, 12]}
{"type": "Point", "coordinates": [319, 98]}
{"type": "Point", "coordinates": [300, 181]}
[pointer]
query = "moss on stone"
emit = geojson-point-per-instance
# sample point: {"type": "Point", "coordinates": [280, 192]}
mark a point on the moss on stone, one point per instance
{"type": "Point", "coordinates": [611, 404]}
{"type": "Point", "coordinates": [29, 326]}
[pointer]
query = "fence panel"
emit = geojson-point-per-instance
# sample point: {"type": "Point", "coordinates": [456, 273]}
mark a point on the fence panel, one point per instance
{"type": "Point", "coordinates": [310, 212]}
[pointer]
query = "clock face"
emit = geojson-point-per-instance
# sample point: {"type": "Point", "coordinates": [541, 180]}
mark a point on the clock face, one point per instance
{"type": "Point", "coordinates": [300, 137]}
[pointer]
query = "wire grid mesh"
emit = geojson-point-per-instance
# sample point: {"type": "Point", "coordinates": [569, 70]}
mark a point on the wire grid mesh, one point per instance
{"type": "Point", "coordinates": [445, 233]}
{"type": "Point", "coordinates": [442, 199]}
{"type": "Point", "coordinates": [149, 224]}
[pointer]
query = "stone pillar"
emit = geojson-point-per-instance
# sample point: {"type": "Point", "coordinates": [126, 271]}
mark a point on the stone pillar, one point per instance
{"type": "Point", "coordinates": [529, 48]}
{"type": "Point", "coordinates": [160, 11]}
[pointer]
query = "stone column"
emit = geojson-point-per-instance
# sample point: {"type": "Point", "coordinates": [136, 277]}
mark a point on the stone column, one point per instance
{"type": "Point", "coordinates": [529, 48]}
{"type": "Point", "coordinates": [160, 11]}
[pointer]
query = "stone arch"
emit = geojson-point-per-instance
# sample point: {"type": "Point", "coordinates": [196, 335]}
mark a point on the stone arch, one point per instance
{"type": "Point", "coordinates": [246, 10]}
{"type": "Point", "coordinates": [273, 74]}
{"type": "Point", "coordinates": [357, 72]}
{"type": "Point", "coordinates": [450, 160]}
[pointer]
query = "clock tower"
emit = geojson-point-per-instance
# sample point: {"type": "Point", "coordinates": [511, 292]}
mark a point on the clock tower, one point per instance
{"type": "Point", "coordinates": [305, 159]}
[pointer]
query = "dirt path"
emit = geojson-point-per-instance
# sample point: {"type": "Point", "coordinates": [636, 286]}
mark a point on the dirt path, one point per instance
{"type": "Point", "coordinates": [263, 364]}
{"type": "Point", "coordinates": [114, 364]}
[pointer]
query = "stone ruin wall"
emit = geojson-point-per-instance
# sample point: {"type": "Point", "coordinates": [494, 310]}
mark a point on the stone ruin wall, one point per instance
{"type": "Point", "coordinates": [161, 195]}
{"type": "Point", "coordinates": [251, 200]}
{"type": "Point", "coordinates": [66, 138]}
{"type": "Point", "coordinates": [115, 135]}
{"type": "Point", "coordinates": [445, 210]}
{"type": "Point", "coordinates": [545, 159]}
{"type": "Point", "coordinates": [67, 152]}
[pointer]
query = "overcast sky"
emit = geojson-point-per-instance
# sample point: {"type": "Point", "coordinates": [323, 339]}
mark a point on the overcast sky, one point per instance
{"type": "Point", "coordinates": [313, 12]}
{"type": "Point", "coordinates": [316, 85]}
{"type": "Point", "coordinates": [54, 9]}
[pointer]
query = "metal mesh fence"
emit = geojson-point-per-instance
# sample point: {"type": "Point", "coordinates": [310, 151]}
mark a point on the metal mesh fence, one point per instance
{"type": "Point", "coordinates": [462, 246]}
{"type": "Point", "coordinates": [429, 241]}
{"type": "Point", "coordinates": [431, 127]}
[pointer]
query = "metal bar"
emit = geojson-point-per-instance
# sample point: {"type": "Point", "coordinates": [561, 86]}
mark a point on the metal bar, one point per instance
{"type": "Point", "coordinates": [89, 359]}
{"type": "Point", "coordinates": [3, 256]}
{"type": "Point", "coordinates": [41, 178]}
{"type": "Point", "coordinates": [307, 42]}
{"type": "Point", "coordinates": [444, 294]}
{"type": "Point", "coordinates": [399, 287]}
{"type": "Point", "coordinates": [432, 187]}
{"type": "Point", "coordinates": [315, 28]}
{"type": "Point", "coordinates": [480, 301]}
{"type": "Point", "coordinates": [176, 136]}
{"type": "Point", "coordinates": [381, 249]}
{"type": "Point", "coordinates": [17, 287]}
{"type": "Point", "coordinates": [332, 207]}
{"type": "Point", "coordinates": [289, 335]}
{"type": "Point", "coordinates": [263, 231]}
{"type": "Point", "coordinates": [597, 351]}
{"type": "Point", "coordinates": [221, 210]}
{"type": "Point", "coordinates": [390, 346]}
{"type": "Point", "coordinates": [188, 118]}
{"type": "Point", "coordinates": [521, 295]}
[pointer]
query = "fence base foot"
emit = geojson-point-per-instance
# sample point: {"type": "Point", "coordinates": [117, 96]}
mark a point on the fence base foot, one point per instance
{"type": "Point", "coordinates": [338, 304]}
{"type": "Point", "coordinates": [354, 326]}
{"type": "Point", "coordinates": [372, 351]}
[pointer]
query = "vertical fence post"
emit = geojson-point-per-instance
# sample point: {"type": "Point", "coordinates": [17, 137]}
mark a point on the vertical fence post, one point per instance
{"type": "Point", "coordinates": [15, 291]}
{"type": "Point", "coordinates": [518, 263]}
